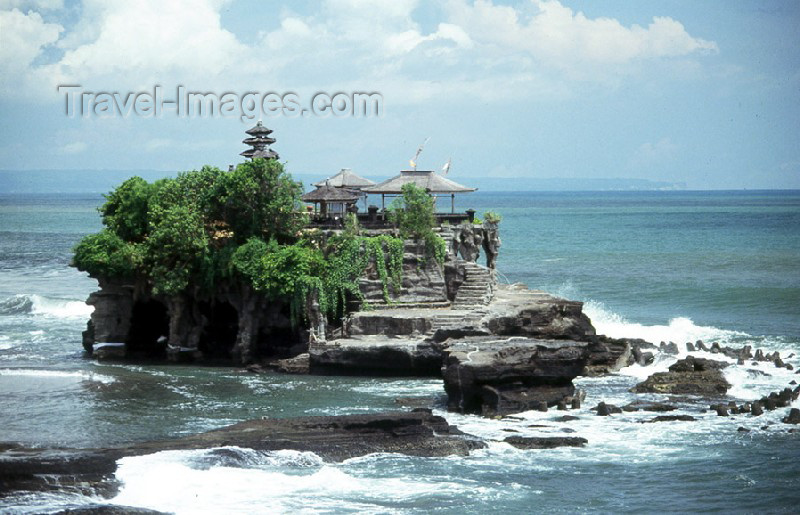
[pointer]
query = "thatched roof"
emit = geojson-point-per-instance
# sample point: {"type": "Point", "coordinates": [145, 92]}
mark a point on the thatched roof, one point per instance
{"type": "Point", "coordinates": [258, 130]}
{"type": "Point", "coordinates": [254, 153]}
{"type": "Point", "coordinates": [347, 179]}
{"type": "Point", "coordinates": [426, 179]}
{"type": "Point", "coordinates": [327, 193]}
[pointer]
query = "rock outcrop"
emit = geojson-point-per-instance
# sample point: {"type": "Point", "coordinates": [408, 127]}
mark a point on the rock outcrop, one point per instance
{"type": "Point", "coordinates": [494, 376]}
{"type": "Point", "coordinates": [416, 433]}
{"type": "Point", "coordinates": [693, 376]}
{"type": "Point", "coordinates": [545, 442]}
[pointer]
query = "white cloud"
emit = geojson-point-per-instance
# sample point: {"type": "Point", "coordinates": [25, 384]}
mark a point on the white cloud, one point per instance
{"type": "Point", "coordinates": [558, 36]}
{"type": "Point", "coordinates": [476, 47]}
{"type": "Point", "coordinates": [22, 37]}
{"type": "Point", "coordinates": [31, 4]}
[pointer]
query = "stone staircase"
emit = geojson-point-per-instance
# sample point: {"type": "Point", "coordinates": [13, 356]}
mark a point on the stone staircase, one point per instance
{"type": "Point", "coordinates": [477, 289]}
{"type": "Point", "coordinates": [461, 318]}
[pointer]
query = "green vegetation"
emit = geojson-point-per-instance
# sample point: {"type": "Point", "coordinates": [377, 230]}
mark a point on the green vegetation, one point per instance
{"type": "Point", "coordinates": [492, 217]}
{"type": "Point", "coordinates": [413, 214]}
{"type": "Point", "coordinates": [192, 233]}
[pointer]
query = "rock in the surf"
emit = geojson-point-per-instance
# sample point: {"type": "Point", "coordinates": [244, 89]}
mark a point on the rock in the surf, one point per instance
{"type": "Point", "coordinates": [694, 376]}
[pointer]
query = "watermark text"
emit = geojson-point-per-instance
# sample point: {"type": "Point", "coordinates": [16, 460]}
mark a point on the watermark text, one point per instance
{"type": "Point", "coordinates": [182, 102]}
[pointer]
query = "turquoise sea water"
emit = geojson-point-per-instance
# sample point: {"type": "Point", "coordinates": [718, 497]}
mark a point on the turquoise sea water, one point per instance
{"type": "Point", "coordinates": [679, 266]}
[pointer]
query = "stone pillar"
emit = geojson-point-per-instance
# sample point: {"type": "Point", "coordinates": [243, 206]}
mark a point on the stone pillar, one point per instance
{"type": "Point", "coordinates": [491, 243]}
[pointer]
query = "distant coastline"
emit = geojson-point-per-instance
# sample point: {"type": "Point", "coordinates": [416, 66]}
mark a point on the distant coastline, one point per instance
{"type": "Point", "coordinates": [102, 181]}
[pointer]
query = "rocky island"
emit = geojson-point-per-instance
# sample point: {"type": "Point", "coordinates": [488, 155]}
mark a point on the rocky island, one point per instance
{"type": "Point", "coordinates": [228, 267]}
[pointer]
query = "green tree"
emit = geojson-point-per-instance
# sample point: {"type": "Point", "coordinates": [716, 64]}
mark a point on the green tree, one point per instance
{"type": "Point", "coordinates": [413, 213]}
{"type": "Point", "coordinates": [107, 255]}
{"type": "Point", "coordinates": [126, 208]}
{"type": "Point", "coordinates": [260, 199]}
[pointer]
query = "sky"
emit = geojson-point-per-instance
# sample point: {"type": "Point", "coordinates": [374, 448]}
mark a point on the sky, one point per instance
{"type": "Point", "coordinates": [701, 93]}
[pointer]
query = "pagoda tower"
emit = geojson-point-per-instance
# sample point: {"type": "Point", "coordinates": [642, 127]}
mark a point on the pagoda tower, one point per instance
{"type": "Point", "coordinates": [259, 142]}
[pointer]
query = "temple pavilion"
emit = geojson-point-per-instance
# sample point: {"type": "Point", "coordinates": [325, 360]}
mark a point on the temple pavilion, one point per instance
{"type": "Point", "coordinates": [430, 181]}
{"type": "Point", "coordinates": [331, 202]}
{"type": "Point", "coordinates": [259, 142]}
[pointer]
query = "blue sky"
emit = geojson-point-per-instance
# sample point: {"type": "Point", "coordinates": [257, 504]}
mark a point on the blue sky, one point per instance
{"type": "Point", "coordinates": [705, 93]}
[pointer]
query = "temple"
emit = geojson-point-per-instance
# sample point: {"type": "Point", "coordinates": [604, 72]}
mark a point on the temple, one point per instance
{"type": "Point", "coordinates": [259, 142]}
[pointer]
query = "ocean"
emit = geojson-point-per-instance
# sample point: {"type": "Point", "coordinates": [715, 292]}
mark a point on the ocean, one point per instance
{"type": "Point", "coordinates": [664, 266]}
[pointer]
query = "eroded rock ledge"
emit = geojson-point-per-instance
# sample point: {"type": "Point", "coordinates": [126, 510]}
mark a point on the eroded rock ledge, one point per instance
{"type": "Point", "coordinates": [415, 433]}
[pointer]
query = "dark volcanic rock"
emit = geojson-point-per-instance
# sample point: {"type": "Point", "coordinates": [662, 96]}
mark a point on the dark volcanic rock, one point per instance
{"type": "Point", "coordinates": [415, 433]}
{"type": "Point", "coordinates": [545, 442]}
{"type": "Point", "coordinates": [296, 365]}
{"type": "Point", "coordinates": [607, 355]}
{"type": "Point", "coordinates": [604, 410]}
{"type": "Point", "coordinates": [494, 376]}
{"type": "Point", "coordinates": [670, 418]}
{"type": "Point", "coordinates": [648, 406]}
{"type": "Point", "coordinates": [694, 376]}
{"type": "Point", "coordinates": [793, 417]}
{"type": "Point", "coordinates": [377, 355]}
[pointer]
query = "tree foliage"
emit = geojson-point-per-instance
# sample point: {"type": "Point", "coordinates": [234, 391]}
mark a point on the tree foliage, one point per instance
{"type": "Point", "coordinates": [189, 233]}
{"type": "Point", "coordinates": [414, 215]}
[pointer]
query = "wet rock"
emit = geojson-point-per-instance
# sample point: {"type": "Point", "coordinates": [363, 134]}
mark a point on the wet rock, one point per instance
{"type": "Point", "coordinates": [670, 348]}
{"type": "Point", "coordinates": [576, 403]}
{"type": "Point", "coordinates": [759, 355]}
{"type": "Point", "coordinates": [377, 355]}
{"type": "Point", "coordinates": [608, 355]}
{"type": "Point", "coordinates": [296, 365]}
{"type": "Point", "coordinates": [756, 410]}
{"type": "Point", "coordinates": [715, 349]}
{"type": "Point", "coordinates": [699, 345]}
{"type": "Point", "coordinates": [689, 347]}
{"type": "Point", "coordinates": [670, 418]}
{"type": "Point", "coordinates": [742, 429]}
{"type": "Point", "coordinates": [779, 363]}
{"type": "Point", "coordinates": [648, 406]}
{"type": "Point", "coordinates": [789, 366]}
{"type": "Point", "coordinates": [416, 433]}
{"type": "Point", "coordinates": [566, 418]}
{"type": "Point", "coordinates": [793, 417]}
{"type": "Point", "coordinates": [722, 411]}
{"type": "Point", "coordinates": [769, 403]}
{"type": "Point", "coordinates": [694, 376]}
{"type": "Point", "coordinates": [562, 405]}
{"type": "Point", "coordinates": [604, 410]}
{"type": "Point", "coordinates": [746, 352]}
{"type": "Point", "coordinates": [545, 442]}
{"type": "Point", "coordinates": [494, 376]}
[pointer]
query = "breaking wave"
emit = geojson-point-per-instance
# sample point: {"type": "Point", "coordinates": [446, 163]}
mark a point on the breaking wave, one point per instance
{"type": "Point", "coordinates": [31, 304]}
{"type": "Point", "coordinates": [58, 374]}
{"type": "Point", "coordinates": [678, 330]}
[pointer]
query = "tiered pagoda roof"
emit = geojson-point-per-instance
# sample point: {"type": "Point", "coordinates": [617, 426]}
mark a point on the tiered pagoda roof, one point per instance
{"type": "Point", "coordinates": [259, 142]}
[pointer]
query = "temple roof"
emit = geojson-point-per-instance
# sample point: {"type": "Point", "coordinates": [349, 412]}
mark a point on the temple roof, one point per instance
{"type": "Point", "coordinates": [327, 193]}
{"type": "Point", "coordinates": [346, 179]}
{"type": "Point", "coordinates": [258, 130]}
{"type": "Point", "coordinates": [426, 179]}
{"type": "Point", "coordinates": [253, 153]}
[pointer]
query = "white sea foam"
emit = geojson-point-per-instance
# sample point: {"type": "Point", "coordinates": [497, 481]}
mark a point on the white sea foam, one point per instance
{"type": "Point", "coordinates": [81, 375]}
{"type": "Point", "coordinates": [284, 481]}
{"type": "Point", "coordinates": [678, 330]}
{"type": "Point", "coordinates": [38, 305]}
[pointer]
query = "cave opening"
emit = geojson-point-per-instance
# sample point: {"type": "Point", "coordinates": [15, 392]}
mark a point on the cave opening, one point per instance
{"type": "Point", "coordinates": [149, 329]}
{"type": "Point", "coordinates": [276, 336]}
{"type": "Point", "coordinates": [219, 334]}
